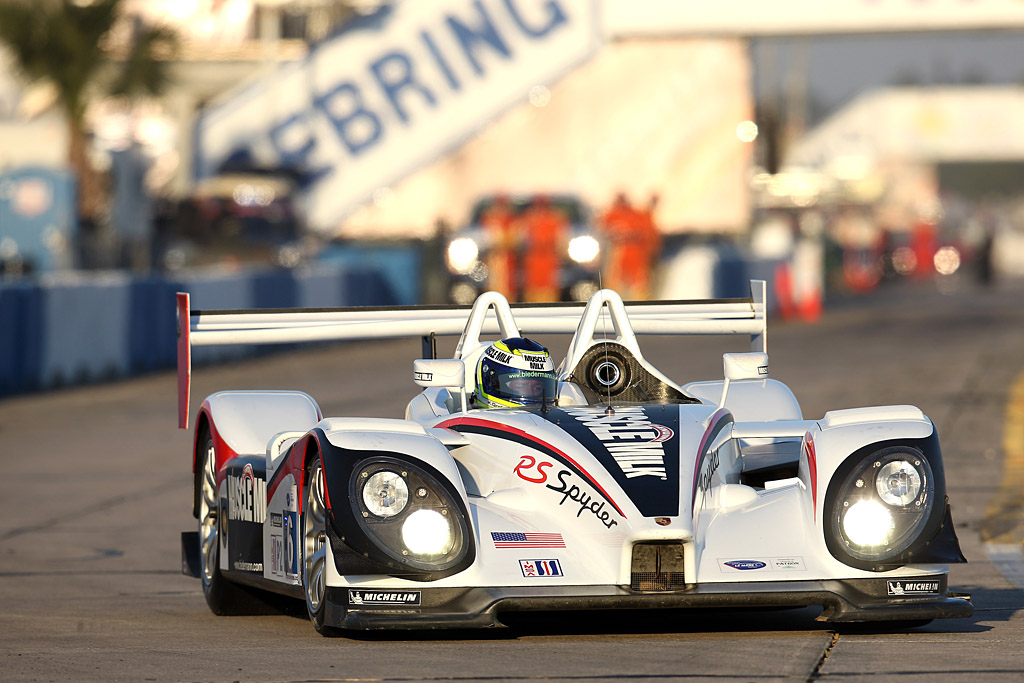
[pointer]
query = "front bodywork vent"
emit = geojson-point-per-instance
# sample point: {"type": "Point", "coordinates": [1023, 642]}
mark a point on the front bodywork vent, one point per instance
{"type": "Point", "coordinates": [657, 567]}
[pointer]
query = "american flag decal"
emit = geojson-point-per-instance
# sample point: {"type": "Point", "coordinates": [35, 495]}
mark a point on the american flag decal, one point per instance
{"type": "Point", "coordinates": [515, 539]}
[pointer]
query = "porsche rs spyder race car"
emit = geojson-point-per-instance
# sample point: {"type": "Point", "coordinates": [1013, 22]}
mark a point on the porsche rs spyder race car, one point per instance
{"type": "Point", "coordinates": [612, 486]}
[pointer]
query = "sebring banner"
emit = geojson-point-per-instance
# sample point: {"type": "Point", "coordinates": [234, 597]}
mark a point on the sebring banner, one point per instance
{"type": "Point", "coordinates": [390, 94]}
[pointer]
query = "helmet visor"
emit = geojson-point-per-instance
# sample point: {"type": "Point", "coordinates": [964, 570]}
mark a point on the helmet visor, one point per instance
{"type": "Point", "coordinates": [526, 386]}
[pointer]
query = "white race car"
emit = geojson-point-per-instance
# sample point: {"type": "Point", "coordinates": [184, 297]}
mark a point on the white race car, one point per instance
{"type": "Point", "coordinates": [614, 488]}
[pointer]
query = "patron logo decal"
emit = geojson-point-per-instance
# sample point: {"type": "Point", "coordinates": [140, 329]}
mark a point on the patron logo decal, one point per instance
{"type": "Point", "coordinates": [379, 597]}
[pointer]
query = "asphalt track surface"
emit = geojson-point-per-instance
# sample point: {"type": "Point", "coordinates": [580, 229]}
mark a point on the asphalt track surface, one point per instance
{"type": "Point", "coordinates": [96, 488]}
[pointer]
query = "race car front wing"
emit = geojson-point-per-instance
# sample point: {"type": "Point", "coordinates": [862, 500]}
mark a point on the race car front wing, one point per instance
{"type": "Point", "coordinates": [844, 601]}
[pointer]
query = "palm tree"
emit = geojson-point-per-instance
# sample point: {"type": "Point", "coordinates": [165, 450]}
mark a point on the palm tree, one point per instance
{"type": "Point", "coordinates": [64, 42]}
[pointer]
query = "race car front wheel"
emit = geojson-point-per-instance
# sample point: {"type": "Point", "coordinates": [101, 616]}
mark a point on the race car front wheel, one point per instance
{"type": "Point", "coordinates": [223, 597]}
{"type": "Point", "coordinates": [315, 547]}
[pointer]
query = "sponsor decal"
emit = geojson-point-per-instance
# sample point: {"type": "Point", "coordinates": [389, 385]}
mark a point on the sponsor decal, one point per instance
{"type": "Point", "coordinates": [358, 596]}
{"type": "Point", "coordinates": [423, 376]}
{"type": "Point", "coordinates": [762, 370]}
{"type": "Point", "coordinates": [529, 539]}
{"type": "Point", "coordinates": [635, 442]}
{"type": "Point", "coordinates": [276, 555]}
{"type": "Point", "coordinates": [704, 480]}
{"type": "Point", "coordinates": [745, 565]}
{"type": "Point", "coordinates": [788, 563]}
{"type": "Point", "coordinates": [276, 520]}
{"type": "Point", "coordinates": [637, 445]}
{"type": "Point", "coordinates": [247, 497]}
{"type": "Point", "coordinates": [912, 588]}
{"type": "Point", "coordinates": [540, 568]}
{"type": "Point", "coordinates": [472, 425]}
{"type": "Point", "coordinates": [707, 458]}
{"type": "Point", "coordinates": [498, 355]}
{"type": "Point", "coordinates": [248, 566]}
{"type": "Point", "coordinates": [568, 489]}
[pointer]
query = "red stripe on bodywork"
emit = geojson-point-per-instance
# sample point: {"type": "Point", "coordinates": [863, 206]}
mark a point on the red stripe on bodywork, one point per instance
{"type": "Point", "coordinates": [184, 359]}
{"type": "Point", "coordinates": [812, 468]}
{"type": "Point", "coordinates": [498, 426]}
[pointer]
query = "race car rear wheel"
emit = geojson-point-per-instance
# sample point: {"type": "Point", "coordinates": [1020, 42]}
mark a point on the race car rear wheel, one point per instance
{"type": "Point", "coordinates": [223, 597]}
{"type": "Point", "coordinates": [315, 547]}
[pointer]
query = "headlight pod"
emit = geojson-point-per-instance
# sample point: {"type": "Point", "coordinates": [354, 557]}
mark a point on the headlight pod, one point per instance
{"type": "Point", "coordinates": [408, 517]}
{"type": "Point", "coordinates": [878, 507]}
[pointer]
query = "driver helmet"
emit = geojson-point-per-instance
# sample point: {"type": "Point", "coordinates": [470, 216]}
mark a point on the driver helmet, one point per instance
{"type": "Point", "coordinates": [515, 372]}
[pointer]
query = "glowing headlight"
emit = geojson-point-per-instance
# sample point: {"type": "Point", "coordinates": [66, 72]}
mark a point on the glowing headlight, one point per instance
{"type": "Point", "coordinates": [385, 493]}
{"type": "Point", "coordinates": [898, 482]}
{"type": "Point", "coordinates": [880, 504]}
{"type": "Point", "coordinates": [462, 255]}
{"type": "Point", "coordinates": [584, 249]}
{"type": "Point", "coordinates": [867, 523]}
{"type": "Point", "coordinates": [427, 533]}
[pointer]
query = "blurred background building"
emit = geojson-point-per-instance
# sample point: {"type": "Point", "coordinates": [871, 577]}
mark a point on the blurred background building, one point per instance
{"type": "Point", "coordinates": [295, 130]}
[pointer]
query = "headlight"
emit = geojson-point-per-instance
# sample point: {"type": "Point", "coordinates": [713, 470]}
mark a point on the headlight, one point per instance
{"type": "Point", "coordinates": [584, 249]}
{"type": "Point", "coordinates": [427, 533]}
{"type": "Point", "coordinates": [385, 493]}
{"type": "Point", "coordinates": [898, 483]}
{"type": "Point", "coordinates": [462, 255]}
{"type": "Point", "coordinates": [407, 517]}
{"type": "Point", "coordinates": [879, 505]}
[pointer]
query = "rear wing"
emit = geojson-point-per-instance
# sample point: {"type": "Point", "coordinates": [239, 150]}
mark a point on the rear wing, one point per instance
{"type": "Point", "coordinates": [744, 316]}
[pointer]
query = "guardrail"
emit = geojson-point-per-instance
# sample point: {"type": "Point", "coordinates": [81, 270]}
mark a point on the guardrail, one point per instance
{"type": "Point", "coordinates": [78, 328]}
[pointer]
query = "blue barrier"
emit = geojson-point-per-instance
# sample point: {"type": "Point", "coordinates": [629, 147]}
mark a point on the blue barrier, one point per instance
{"type": "Point", "coordinates": [85, 328]}
{"type": "Point", "coordinates": [21, 338]}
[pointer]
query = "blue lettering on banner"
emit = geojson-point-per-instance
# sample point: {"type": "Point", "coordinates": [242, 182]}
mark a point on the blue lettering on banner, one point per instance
{"type": "Point", "coordinates": [358, 127]}
{"type": "Point", "coordinates": [485, 32]}
{"type": "Point", "coordinates": [442, 63]}
{"type": "Point", "coordinates": [555, 17]}
{"type": "Point", "coordinates": [394, 73]}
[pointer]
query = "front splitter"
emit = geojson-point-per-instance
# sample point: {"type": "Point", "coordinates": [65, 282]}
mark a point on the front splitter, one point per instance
{"type": "Point", "coordinates": [844, 601]}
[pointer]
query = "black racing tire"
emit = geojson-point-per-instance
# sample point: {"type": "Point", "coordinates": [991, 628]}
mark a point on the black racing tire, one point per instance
{"type": "Point", "coordinates": [223, 597]}
{"type": "Point", "coordinates": [315, 548]}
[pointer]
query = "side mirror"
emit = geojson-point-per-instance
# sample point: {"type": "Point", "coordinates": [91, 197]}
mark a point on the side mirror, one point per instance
{"type": "Point", "coordinates": [752, 365]}
{"type": "Point", "coordinates": [739, 366]}
{"type": "Point", "coordinates": [441, 372]}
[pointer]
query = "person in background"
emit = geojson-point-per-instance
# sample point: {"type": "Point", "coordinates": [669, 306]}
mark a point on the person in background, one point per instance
{"type": "Point", "coordinates": [634, 244]}
{"type": "Point", "coordinates": [499, 223]}
{"type": "Point", "coordinates": [544, 230]}
{"type": "Point", "coordinates": [648, 250]}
